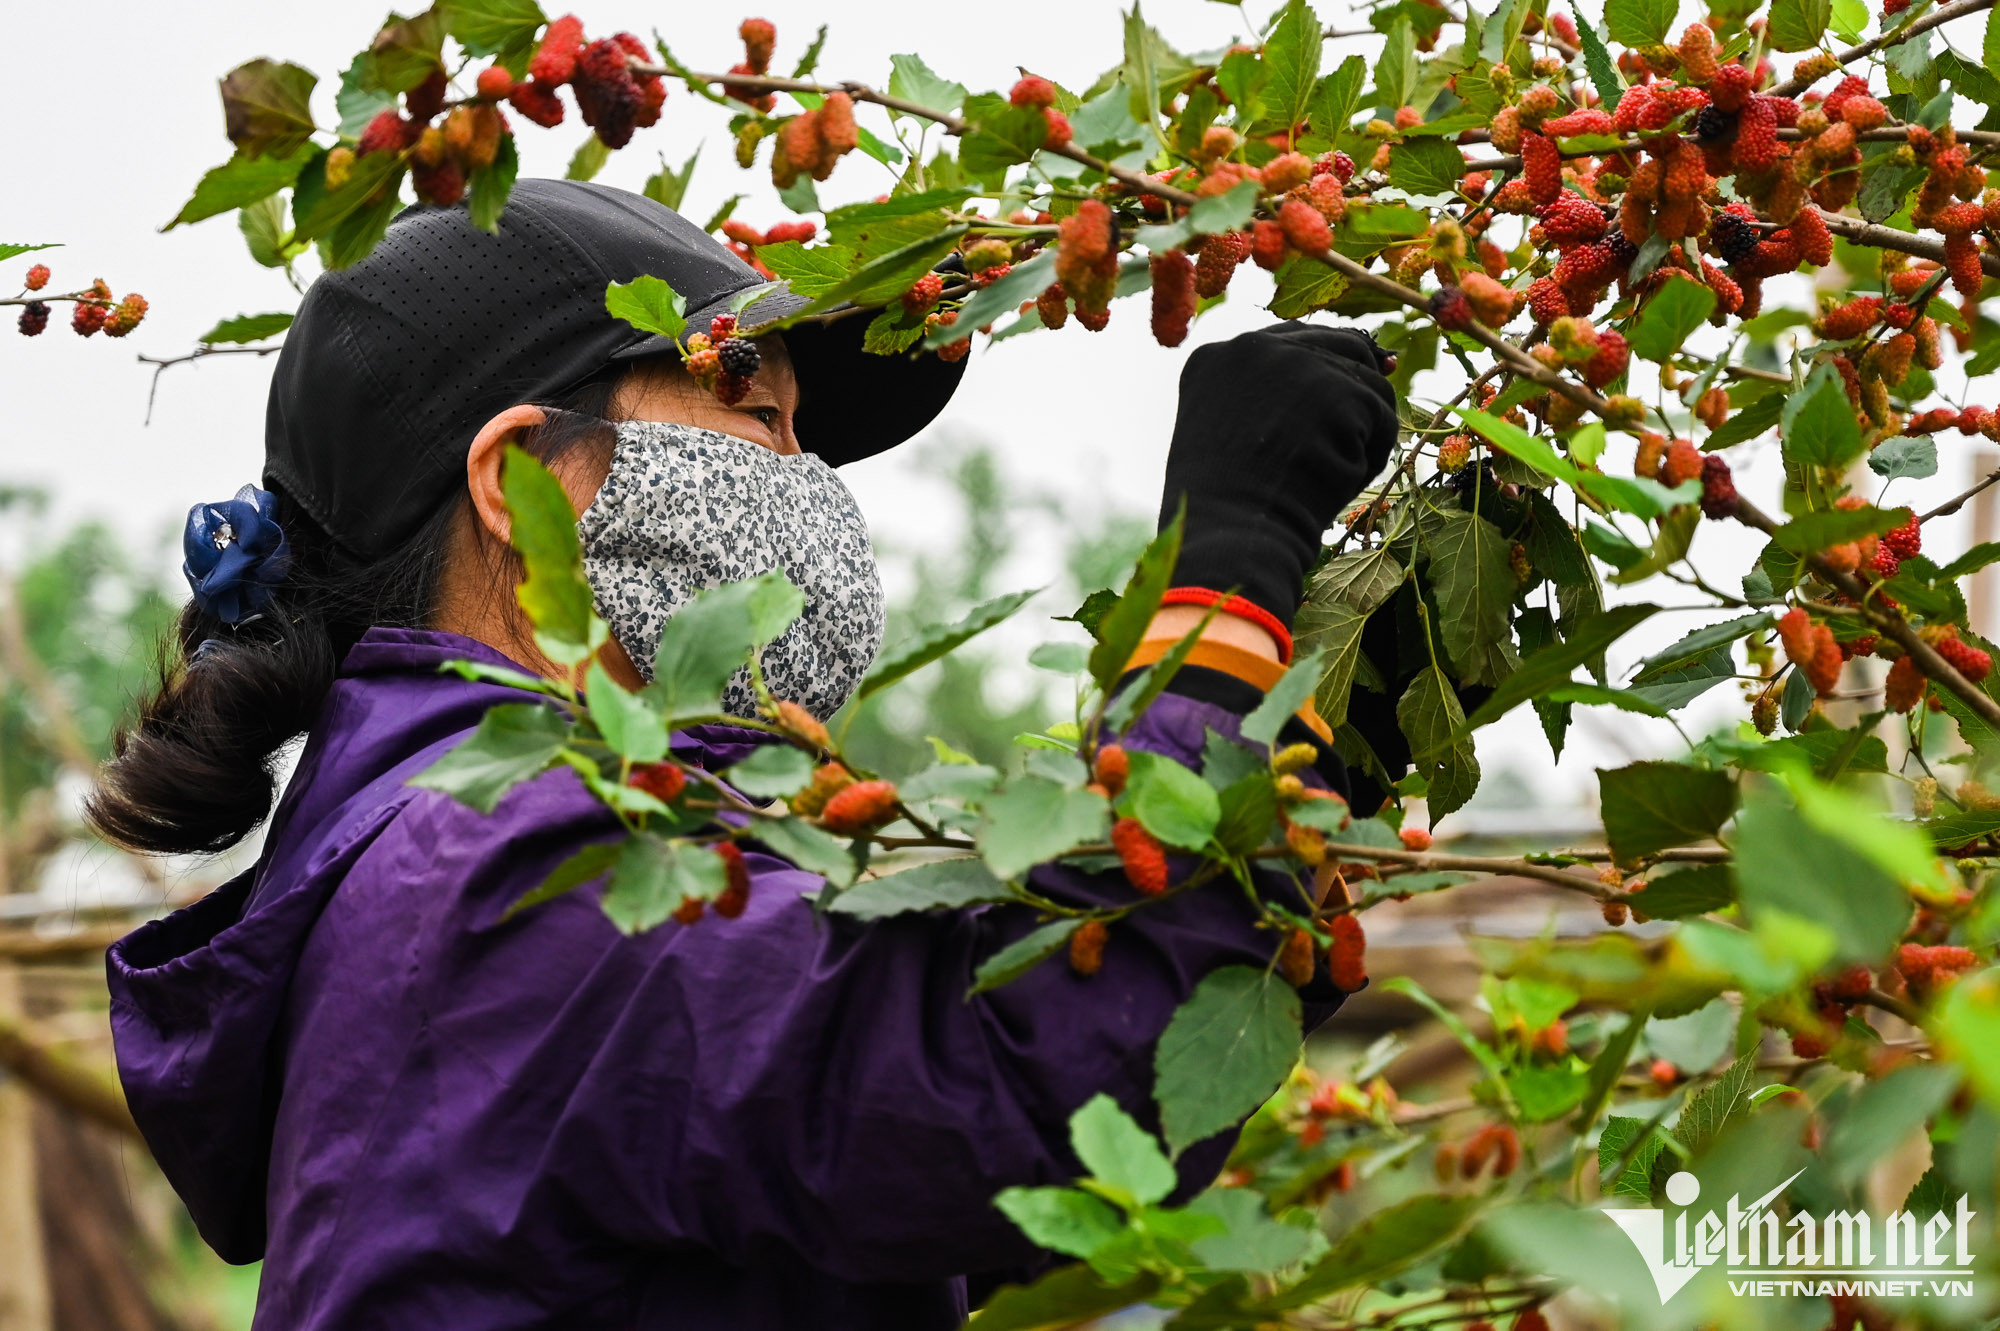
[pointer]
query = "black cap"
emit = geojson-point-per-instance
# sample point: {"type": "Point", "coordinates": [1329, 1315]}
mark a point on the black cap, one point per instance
{"type": "Point", "coordinates": [393, 365]}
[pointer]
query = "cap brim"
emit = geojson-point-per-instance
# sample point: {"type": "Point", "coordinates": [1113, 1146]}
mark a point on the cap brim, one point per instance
{"type": "Point", "coordinates": [853, 403]}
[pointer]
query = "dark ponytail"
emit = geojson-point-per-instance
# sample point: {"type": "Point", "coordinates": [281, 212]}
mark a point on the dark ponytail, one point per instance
{"type": "Point", "coordinates": [196, 771]}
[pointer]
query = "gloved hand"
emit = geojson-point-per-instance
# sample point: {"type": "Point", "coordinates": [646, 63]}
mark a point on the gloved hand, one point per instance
{"type": "Point", "coordinates": [1278, 430]}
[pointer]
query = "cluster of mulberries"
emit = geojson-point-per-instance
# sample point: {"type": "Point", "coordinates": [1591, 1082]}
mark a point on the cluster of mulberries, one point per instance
{"type": "Point", "coordinates": [611, 98]}
{"type": "Point", "coordinates": [1087, 261]}
{"type": "Point", "coordinates": [1973, 662]}
{"type": "Point", "coordinates": [1927, 969]}
{"type": "Point", "coordinates": [723, 362]}
{"type": "Point", "coordinates": [1173, 297]}
{"type": "Point", "coordinates": [813, 141]}
{"type": "Point", "coordinates": [1038, 93]}
{"type": "Point", "coordinates": [760, 39]}
{"type": "Point", "coordinates": [743, 239]}
{"type": "Point", "coordinates": [1811, 650]}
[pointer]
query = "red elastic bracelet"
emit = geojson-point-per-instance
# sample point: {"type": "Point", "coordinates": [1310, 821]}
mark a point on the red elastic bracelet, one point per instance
{"type": "Point", "coordinates": [1235, 605]}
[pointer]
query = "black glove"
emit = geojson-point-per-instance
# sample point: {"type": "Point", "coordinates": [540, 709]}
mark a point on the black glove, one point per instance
{"type": "Point", "coordinates": [1278, 430]}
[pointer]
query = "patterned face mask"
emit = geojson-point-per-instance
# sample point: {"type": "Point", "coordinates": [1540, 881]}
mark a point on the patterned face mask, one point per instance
{"type": "Point", "coordinates": [685, 509]}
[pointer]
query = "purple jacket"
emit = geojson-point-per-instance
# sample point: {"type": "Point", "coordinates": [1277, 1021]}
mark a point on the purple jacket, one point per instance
{"type": "Point", "coordinates": [422, 1116]}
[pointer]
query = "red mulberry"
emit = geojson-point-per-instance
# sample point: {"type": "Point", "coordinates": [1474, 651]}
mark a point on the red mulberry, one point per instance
{"type": "Point", "coordinates": [37, 278]}
{"type": "Point", "coordinates": [1086, 947]}
{"type": "Point", "coordinates": [34, 318]}
{"type": "Point", "coordinates": [1547, 301]}
{"type": "Point", "coordinates": [1541, 167]}
{"type": "Point", "coordinates": [1961, 256]}
{"type": "Point", "coordinates": [1145, 860]}
{"type": "Point", "coordinates": [87, 319]}
{"type": "Point", "coordinates": [537, 102]}
{"type": "Point", "coordinates": [1220, 256]}
{"type": "Point", "coordinates": [555, 60]}
{"type": "Point", "coordinates": [1112, 768]}
{"type": "Point", "coordinates": [1853, 319]}
{"type": "Point", "coordinates": [1053, 306]}
{"type": "Point", "coordinates": [1295, 958]}
{"type": "Point", "coordinates": [1304, 227]}
{"type": "Point", "coordinates": [1815, 241]}
{"type": "Point", "coordinates": [923, 293]}
{"type": "Point", "coordinates": [731, 900]}
{"type": "Point", "coordinates": [663, 781]}
{"type": "Point", "coordinates": [1609, 360]}
{"type": "Point", "coordinates": [1904, 688]}
{"type": "Point", "coordinates": [1347, 959]}
{"type": "Point", "coordinates": [859, 808]}
{"type": "Point", "coordinates": [1718, 488]}
{"type": "Point", "coordinates": [1757, 146]}
{"type": "Point", "coordinates": [1267, 244]}
{"type": "Point", "coordinates": [1033, 90]}
{"type": "Point", "coordinates": [1173, 297]}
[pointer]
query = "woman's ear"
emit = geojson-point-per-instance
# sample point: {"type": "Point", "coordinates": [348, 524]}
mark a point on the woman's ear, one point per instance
{"type": "Point", "coordinates": [483, 463]}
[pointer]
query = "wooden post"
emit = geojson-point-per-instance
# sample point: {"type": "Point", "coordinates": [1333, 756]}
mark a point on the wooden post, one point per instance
{"type": "Point", "coordinates": [24, 1281]}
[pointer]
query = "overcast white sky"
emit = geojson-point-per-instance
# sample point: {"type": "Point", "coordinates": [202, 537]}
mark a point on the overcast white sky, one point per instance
{"type": "Point", "coordinates": [113, 116]}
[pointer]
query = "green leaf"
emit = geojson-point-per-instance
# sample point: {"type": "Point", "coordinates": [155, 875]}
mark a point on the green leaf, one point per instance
{"type": "Point", "coordinates": [654, 876]}
{"type": "Point", "coordinates": [1978, 557]}
{"type": "Point", "coordinates": [1905, 456]}
{"type": "Point", "coordinates": [588, 159]}
{"type": "Point", "coordinates": [1640, 497]}
{"type": "Point", "coordinates": [1396, 68]}
{"type": "Point", "coordinates": [1024, 282]}
{"type": "Point", "coordinates": [355, 235]}
{"type": "Point", "coordinates": [939, 641]}
{"type": "Point", "coordinates": [1849, 19]}
{"type": "Point", "coordinates": [1151, 681]}
{"type": "Point", "coordinates": [1699, 643]}
{"type": "Point", "coordinates": [1598, 695]}
{"type": "Point", "coordinates": [1022, 955]}
{"type": "Point", "coordinates": [1119, 1153]}
{"type": "Point", "coordinates": [1597, 59]}
{"type": "Point", "coordinates": [1003, 136]}
{"type": "Point", "coordinates": [809, 271]}
{"type": "Point", "coordinates": [8, 251]}
{"type": "Point", "coordinates": [1685, 892]}
{"type": "Point", "coordinates": [1812, 532]}
{"type": "Point", "coordinates": [1251, 1240]}
{"type": "Point", "coordinates": [1123, 626]}
{"type": "Point", "coordinates": [1335, 97]}
{"type": "Point", "coordinates": [1678, 308]}
{"type": "Point", "coordinates": [809, 847]}
{"type": "Point", "coordinates": [1747, 423]}
{"type": "Point", "coordinates": [1152, 71]}
{"type": "Point", "coordinates": [1711, 1108]}
{"type": "Point", "coordinates": [669, 187]}
{"type": "Point", "coordinates": [710, 638]}
{"type": "Point", "coordinates": [1065, 1220]}
{"type": "Point", "coordinates": [648, 304]}
{"type": "Point", "coordinates": [1339, 600]}
{"type": "Point", "coordinates": [772, 771]}
{"type": "Point", "coordinates": [1677, 687]}
{"type": "Point", "coordinates": [246, 328]}
{"type": "Point", "coordinates": [554, 594]}
{"type": "Point", "coordinates": [318, 211]}
{"type": "Point", "coordinates": [1639, 22]}
{"type": "Point", "coordinates": [1385, 1242]}
{"type": "Point", "coordinates": [492, 185]}
{"type": "Point", "coordinates": [1615, 1143]}
{"type": "Point", "coordinates": [266, 108]}
{"type": "Point", "coordinates": [1652, 806]}
{"type": "Point", "coordinates": [1608, 1067]}
{"type": "Point", "coordinates": [589, 863]}
{"type": "Point", "coordinates": [1552, 665]}
{"type": "Point", "coordinates": [1474, 582]}
{"type": "Point", "coordinates": [262, 222]}
{"type": "Point", "coordinates": [912, 80]}
{"type": "Point", "coordinates": [405, 52]}
{"type": "Point", "coordinates": [1306, 284]}
{"type": "Point", "coordinates": [1426, 166]}
{"type": "Point", "coordinates": [1431, 719]}
{"type": "Point", "coordinates": [1226, 1049]}
{"type": "Point", "coordinates": [1067, 1297]}
{"type": "Point", "coordinates": [1968, 1027]}
{"type": "Point", "coordinates": [1172, 802]}
{"type": "Point", "coordinates": [1033, 819]}
{"type": "Point", "coordinates": [1884, 1114]}
{"type": "Point", "coordinates": [1785, 863]}
{"type": "Point", "coordinates": [1290, 693]}
{"type": "Point", "coordinates": [513, 743]}
{"type": "Point", "coordinates": [1291, 56]}
{"type": "Point", "coordinates": [940, 885]}
{"type": "Point", "coordinates": [238, 182]}
{"type": "Point", "coordinates": [1818, 425]}
{"type": "Point", "coordinates": [1796, 25]}
{"type": "Point", "coordinates": [628, 723]}
{"type": "Point", "coordinates": [484, 27]}
{"type": "Point", "coordinates": [891, 272]}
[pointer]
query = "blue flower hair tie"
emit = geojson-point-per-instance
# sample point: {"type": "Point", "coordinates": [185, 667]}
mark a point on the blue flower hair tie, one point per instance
{"type": "Point", "coordinates": [235, 554]}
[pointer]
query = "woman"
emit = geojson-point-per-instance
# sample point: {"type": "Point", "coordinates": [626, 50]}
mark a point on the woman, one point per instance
{"type": "Point", "coordinates": [421, 1113]}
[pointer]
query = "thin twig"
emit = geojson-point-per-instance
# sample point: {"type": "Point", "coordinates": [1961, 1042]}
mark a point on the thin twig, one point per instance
{"type": "Point", "coordinates": [160, 365]}
{"type": "Point", "coordinates": [1951, 506]}
{"type": "Point", "coordinates": [1937, 17]}
{"type": "Point", "coordinates": [1494, 864]}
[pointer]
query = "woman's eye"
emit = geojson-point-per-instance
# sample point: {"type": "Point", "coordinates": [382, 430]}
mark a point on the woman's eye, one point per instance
{"type": "Point", "coordinates": [770, 416]}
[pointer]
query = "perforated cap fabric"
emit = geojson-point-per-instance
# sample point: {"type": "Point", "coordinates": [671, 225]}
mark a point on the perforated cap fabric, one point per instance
{"type": "Point", "coordinates": [394, 364]}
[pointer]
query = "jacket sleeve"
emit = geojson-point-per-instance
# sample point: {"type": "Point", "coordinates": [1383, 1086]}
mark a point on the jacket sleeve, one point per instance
{"type": "Point", "coordinates": [826, 1087]}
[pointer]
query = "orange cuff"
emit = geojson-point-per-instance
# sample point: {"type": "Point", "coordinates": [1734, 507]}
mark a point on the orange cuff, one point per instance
{"type": "Point", "coordinates": [1259, 671]}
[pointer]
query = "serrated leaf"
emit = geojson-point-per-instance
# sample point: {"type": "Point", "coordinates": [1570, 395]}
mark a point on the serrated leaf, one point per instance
{"type": "Point", "coordinates": [587, 864]}
{"type": "Point", "coordinates": [238, 182]}
{"type": "Point", "coordinates": [912, 80]}
{"type": "Point", "coordinates": [1818, 423]}
{"type": "Point", "coordinates": [939, 641]}
{"type": "Point", "coordinates": [1906, 457]}
{"type": "Point", "coordinates": [542, 531]}
{"type": "Point", "coordinates": [1552, 665]}
{"type": "Point", "coordinates": [1023, 282]}
{"type": "Point", "coordinates": [1700, 643]}
{"type": "Point", "coordinates": [247, 328]}
{"type": "Point", "coordinates": [772, 771]}
{"type": "Point", "coordinates": [648, 304]}
{"type": "Point", "coordinates": [1335, 97]}
{"type": "Point", "coordinates": [1637, 1144]}
{"type": "Point", "coordinates": [492, 185]}
{"type": "Point", "coordinates": [654, 876]}
{"type": "Point", "coordinates": [1123, 625]}
{"type": "Point", "coordinates": [1022, 955]}
{"type": "Point", "coordinates": [1384, 1242]}
{"type": "Point", "coordinates": [1470, 573]}
{"type": "Point", "coordinates": [1652, 806]}
{"type": "Point", "coordinates": [1033, 819]}
{"type": "Point", "coordinates": [1678, 308]}
{"type": "Point", "coordinates": [514, 742]}
{"type": "Point", "coordinates": [266, 107]}
{"type": "Point", "coordinates": [1223, 1053]}
{"type": "Point", "coordinates": [1118, 1152]}
{"type": "Point", "coordinates": [1338, 602]}
{"type": "Point", "coordinates": [1430, 718]}
{"type": "Point", "coordinates": [1291, 55]}
{"type": "Point", "coordinates": [1172, 802]}
{"type": "Point", "coordinates": [1065, 1220]}
{"type": "Point", "coordinates": [1685, 892]}
{"type": "Point", "coordinates": [1597, 59]}
{"type": "Point", "coordinates": [484, 27]}
{"type": "Point", "coordinates": [588, 159]}
{"type": "Point", "coordinates": [1711, 1108]}
{"type": "Point", "coordinates": [262, 223]}
{"type": "Point", "coordinates": [669, 187]}
{"type": "Point", "coordinates": [940, 885]}
{"type": "Point", "coordinates": [1426, 166]}
{"type": "Point", "coordinates": [1796, 25]}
